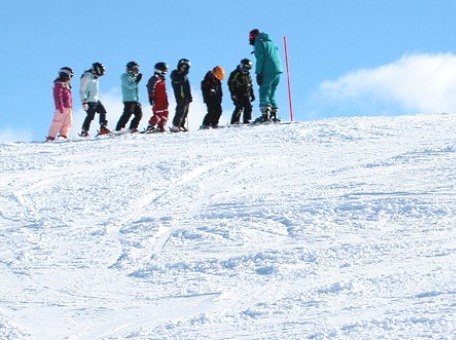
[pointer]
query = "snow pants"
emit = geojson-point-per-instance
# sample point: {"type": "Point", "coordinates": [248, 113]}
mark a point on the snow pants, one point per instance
{"type": "Point", "coordinates": [61, 123]}
{"type": "Point", "coordinates": [214, 111]}
{"type": "Point", "coordinates": [159, 118]}
{"type": "Point", "coordinates": [91, 111]}
{"type": "Point", "coordinates": [130, 108]}
{"type": "Point", "coordinates": [268, 90]}
{"type": "Point", "coordinates": [242, 105]}
{"type": "Point", "coordinates": [180, 117]}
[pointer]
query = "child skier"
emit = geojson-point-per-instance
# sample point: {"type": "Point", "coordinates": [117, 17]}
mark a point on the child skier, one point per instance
{"type": "Point", "coordinates": [211, 86]}
{"type": "Point", "coordinates": [90, 100]}
{"type": "Point", "coordinates": [241, 90]}
{"type": "Point", "coordinates": [182, 93]}
{"type": "Point", "coordinates": [130, 97]}
{"type": "Point", "coordinates": [63, 99]}
{"type": "Point", "coordinates": [158, 99]}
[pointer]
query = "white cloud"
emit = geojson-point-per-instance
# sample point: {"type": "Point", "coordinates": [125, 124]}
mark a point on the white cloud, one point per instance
{"type": "Point", "coordinates": [424, 83]}
{"type": "Point", "coordinates": [8, 135]}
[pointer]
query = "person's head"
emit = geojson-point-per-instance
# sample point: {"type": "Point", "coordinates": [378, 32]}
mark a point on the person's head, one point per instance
{"type": "Point", "coordinates": [66, 73]}
{"type": "Point", "coordinates": [252, 36]}
{"type": "Point", "coordinates": [218, 72]}
{"type": "Point", "coordinates": [133, 68]}
{"type": "Point", "coordinates": [98, 69]}
{"type": "Point", "coordinates": [245, 65]}
{"type": "Point", "coordinates": [183, 65]}
{"type": "Point", "coordinates": [161, 68]}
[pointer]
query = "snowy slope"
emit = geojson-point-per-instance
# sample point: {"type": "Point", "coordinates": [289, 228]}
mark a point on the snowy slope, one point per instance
{"type": "Point", "coordinates": [341, 228]}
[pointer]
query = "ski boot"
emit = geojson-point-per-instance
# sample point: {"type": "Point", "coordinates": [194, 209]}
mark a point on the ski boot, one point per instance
{"type": "Point", "coordinates": [83, 133]}
{"type": "Point", "coordinates": [274, 118]}
{"type": "Point", "coordinates": [103, 130]}
{"type": "Point", "coordinates": [150, 129]}
{"type": "Point", "coordinates": [264, 118]}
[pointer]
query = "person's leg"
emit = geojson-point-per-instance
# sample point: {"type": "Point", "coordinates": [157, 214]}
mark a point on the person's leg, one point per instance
{"type": "Point", "coordinates": [216, 114]}
{"type": "Point", "coordinates": [102, 112]}
{"type": "Point", "coordinates": [56, 125]}
{"type": "Point", "coordinates": [247, 105]}
{"type": "Point", "coordinates": [180, 109]}
{"type": "Point", "coordinates": [67, 123]}
{"type": "Point", "coordinates": [265, 91]}
{"type": "Point", "coordinates": [184, 117]}
{"type": "Point", "coordinates": [89, 117]}
{"type": "Point", "coordinates": [137, 112]}
{"type": "Point", "coordinates": [236, 116]}
{"type": "Point", "coordinates": [127, 112]}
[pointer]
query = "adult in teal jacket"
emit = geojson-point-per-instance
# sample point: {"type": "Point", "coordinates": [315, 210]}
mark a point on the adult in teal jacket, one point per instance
{"type": "Point", "coordinates": [130, 97]}
{"type": "Point", "coordinates": [268, 69]}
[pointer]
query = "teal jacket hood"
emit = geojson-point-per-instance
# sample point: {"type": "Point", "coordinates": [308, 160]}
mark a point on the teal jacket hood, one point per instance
{"type": "Point", "coordinates": [263, 36]}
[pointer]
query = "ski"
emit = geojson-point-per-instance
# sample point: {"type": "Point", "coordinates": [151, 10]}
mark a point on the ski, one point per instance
{"type": "Point", "coordinates": [252, 124]}
{"type": "Point", "coordinates": [149, 132]}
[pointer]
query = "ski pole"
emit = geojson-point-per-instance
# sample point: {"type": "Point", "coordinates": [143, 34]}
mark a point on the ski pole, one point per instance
{"type": "Point", "coordinates": [288, 78]}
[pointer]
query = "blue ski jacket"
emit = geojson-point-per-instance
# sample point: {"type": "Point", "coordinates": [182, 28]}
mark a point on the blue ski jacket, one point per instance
{"type": "Point", "coordinates": [130, 91]}
{"type": "Point", "coordinates": [267, 56]}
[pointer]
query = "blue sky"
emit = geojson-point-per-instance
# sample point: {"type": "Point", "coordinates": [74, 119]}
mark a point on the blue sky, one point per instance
{"type": "Point", "coordinates": [347, 58]}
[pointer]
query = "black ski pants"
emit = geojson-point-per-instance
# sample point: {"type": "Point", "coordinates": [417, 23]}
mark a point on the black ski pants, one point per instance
{"type": "Point", "coordinates": [91, 111]}
{"type": "Point", "coordinates": [130, 108]}
{"type": "Point", "coordinates": [242, 105]}
{"type": "Point", "coordinates": [180, 117]}
{"type": "Point", "coordinates": [214, 111]}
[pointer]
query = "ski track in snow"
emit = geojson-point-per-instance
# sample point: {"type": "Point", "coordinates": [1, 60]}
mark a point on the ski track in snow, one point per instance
{"type": "Point", "coordinates": [340, 228]}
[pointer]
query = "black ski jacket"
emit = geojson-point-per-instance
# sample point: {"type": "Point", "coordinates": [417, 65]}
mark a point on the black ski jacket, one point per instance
{"type": "Point", "coordinates": [211, 88]}
{"type": "Point", "coordinates": [240, 84]}
{"type": "Point", "coordinates": [181, 87]}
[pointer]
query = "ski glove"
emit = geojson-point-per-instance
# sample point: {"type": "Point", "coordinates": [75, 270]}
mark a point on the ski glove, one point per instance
{"type": "Point", "coordinates": [252, 97]}
{"type": "Point", "coordinates": [85, 106]}
{"type": "Point", "coordinates": [138, 77]}
{"type": "Point", "coordinates": [259, 79]}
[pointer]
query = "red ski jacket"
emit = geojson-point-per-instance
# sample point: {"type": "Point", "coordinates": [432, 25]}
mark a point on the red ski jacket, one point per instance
{"type": "Point", "coordinates": [156, 88]}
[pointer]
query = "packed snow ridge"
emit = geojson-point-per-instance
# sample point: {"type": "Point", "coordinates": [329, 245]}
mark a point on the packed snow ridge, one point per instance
{"type": "Point", "coordinates": [340, 228]}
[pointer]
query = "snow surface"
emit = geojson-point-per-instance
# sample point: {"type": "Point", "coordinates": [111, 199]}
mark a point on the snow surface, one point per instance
{"type": "Point", "coordinates": [340, 228]}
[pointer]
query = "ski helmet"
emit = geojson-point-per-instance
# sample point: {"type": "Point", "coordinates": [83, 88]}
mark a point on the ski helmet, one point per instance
{"type": "Point", "coordinates": [132, 66]}
{"type": "Point", "coordinates": [218, 72]}
{"type": "Point", "coordinates": [98, 69]}
{"type": "Point", "coordinates": [66, 73]}
{"type": "Point", "coordinates": [183, 63]}
{"type": "Point", "coordinates": [245, 65]}
{"type": "Point", "coordinates": [252, 36]}
{"type": "Point", "coordinates": [161, 68]}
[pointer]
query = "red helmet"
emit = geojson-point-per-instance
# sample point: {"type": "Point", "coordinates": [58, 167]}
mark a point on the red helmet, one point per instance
{"type": "Point", "coordinates": [252, 36]}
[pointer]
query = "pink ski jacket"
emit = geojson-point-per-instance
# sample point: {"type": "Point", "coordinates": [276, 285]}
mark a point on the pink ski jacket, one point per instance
{"type": "Point", "coordinates": [62, 96]}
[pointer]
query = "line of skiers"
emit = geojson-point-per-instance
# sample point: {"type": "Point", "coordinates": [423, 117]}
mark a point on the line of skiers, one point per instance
{"type": "Point", "coordinates": [268, 68]}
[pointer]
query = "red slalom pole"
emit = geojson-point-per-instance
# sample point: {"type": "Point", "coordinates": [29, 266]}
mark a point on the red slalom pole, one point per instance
{"type": "Point", "coordinates": [288, 77]}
